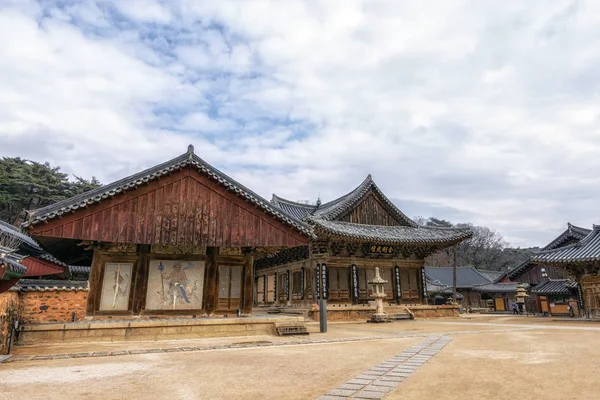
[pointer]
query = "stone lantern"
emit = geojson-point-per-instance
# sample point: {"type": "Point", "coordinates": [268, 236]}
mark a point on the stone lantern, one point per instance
{"type": "Point", "coordinates": [378, 295]}
{"type": "Point", "coordinates": [521, 296]}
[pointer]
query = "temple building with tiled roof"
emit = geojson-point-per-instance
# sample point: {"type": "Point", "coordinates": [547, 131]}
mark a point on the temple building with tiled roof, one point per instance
{"type": "Point", "coordinates": [478, 289]}
{"type": "Point", "coordinates": [354, 233]}
{"type": "Point", "coordinates": [581, 261]}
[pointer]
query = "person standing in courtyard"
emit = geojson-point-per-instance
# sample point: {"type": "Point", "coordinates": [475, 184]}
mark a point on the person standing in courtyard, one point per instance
{"type": "Point", "coordinates": [514, 308]}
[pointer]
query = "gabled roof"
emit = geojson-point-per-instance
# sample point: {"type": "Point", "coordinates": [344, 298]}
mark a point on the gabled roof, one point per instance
{"type": "Point", "coordinates": [323, 218]}
{"type": "Point", "coordinates": [392, 234]}
{"type": "Point", "coordinates": [493, 276]}
{"type": "Point", "coordinates": [466, 277]}
{"type": "Point", "coordinates": [336, 208]}
{"type": "Point", "coordinates": [518, 270]}
{"type": "Point", "coordinates": [571, 233]}
{"type": "Point", "coordinates": [586, 250]}
{"type": "Point", "coordinates": [131, 182]}
{"type": "Point", "coordinates": [556, 287]}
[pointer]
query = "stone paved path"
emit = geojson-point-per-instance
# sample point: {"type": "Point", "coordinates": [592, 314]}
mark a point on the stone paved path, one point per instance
{"type": "Point", "coordinates": [377, 381]}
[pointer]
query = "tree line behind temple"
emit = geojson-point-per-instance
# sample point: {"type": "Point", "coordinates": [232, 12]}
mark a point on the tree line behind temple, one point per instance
{"type": "Point", "coordinates": [28, 185]}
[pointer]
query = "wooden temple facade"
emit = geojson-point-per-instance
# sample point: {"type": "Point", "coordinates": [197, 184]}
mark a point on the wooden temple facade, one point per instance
{"type": "Point", "coordinates": [179, 238]}
{"type": "Point", "coordinates": [354, 234]}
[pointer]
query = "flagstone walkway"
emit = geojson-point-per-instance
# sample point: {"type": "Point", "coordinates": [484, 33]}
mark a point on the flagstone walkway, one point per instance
{"type": "Point", "coordinates": [377, 381]}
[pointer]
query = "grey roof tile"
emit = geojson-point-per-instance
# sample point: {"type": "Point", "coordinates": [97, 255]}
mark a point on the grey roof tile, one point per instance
{"type": "Point", "coordinates": [556, 287]}
{"type": "Point", "coordinates": [586, 250]}
{"type": "Point", "coordinates": [496, 288]}
{"type": "Point", "coordinates": [12, 262]}
{"type": "Point", "coordinates": [466, 277]}
{"type": "Point", "coordinates": [42, 285]}
{"type": "Point", "coordinates": [8, 229]}
{"type": "Point", "coordinates": [392, 234]}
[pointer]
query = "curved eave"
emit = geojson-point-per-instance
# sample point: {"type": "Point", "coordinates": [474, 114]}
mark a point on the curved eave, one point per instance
{"type": "Point", "coordinates": [99, 196]}
{"type": "Point", "coordinates": [392, 237]}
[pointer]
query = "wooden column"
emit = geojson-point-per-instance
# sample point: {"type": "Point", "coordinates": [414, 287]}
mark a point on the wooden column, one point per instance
{"type": "Point", "coordinates": [247, 282]}
{"type": "Point", "coordinates": [95, 283]}
{"type": "Point", "coordinates": [212, 280]}
{"type": "Point", "coordinates": [140, 285]}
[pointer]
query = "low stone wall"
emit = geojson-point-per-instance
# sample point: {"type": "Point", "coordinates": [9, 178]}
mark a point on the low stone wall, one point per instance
{"type": "Point", "coordinates": [129, 330]}
{"type": "Point", "coordinates": [48, 306]}
{"type": "Point", "coordinates": [425, 311]}
{"type": "Point", "coordinates": [363, 313]}
{"type": "Point", "coordinates": [9, 311]}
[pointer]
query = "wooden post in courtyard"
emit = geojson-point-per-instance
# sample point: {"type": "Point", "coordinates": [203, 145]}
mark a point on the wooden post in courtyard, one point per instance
{"type": "Point", "coordinates": [212, 277]}
{"type": "Point", "coordinates": [454, 295]}
{"type": "Point", "coordinates": [248, 280]}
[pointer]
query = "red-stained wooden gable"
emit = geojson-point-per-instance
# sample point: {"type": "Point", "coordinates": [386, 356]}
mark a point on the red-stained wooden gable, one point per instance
{"type": "Point", "coordinates": [185, 208]}
{"type": "Point", "coordinates": [38, 267]}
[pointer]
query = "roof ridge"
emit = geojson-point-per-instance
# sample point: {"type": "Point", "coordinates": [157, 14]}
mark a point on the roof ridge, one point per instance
{"type": "Point", "coordinates": [290, 202]}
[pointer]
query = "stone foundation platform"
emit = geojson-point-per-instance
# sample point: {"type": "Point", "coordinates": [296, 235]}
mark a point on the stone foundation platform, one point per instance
{"type": "Point", "coordinates": [364, 312]}
{"type": "Point", "coordinates": [152, 329]}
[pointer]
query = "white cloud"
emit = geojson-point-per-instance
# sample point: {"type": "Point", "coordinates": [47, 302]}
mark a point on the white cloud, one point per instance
{"type": "Point", "coordinates": [487, 109]}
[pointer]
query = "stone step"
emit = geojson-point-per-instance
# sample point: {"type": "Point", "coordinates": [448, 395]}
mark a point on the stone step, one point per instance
{"type": "Point", "coordinates": [288, 330]}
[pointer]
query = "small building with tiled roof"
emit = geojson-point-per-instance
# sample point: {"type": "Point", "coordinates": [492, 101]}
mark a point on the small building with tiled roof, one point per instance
{"type": "Point", "coordinates": [581, 261]}
{"type": "Point", "coordinates": [544, 270]}
{"type": "Point", "coordinates": [354, 233]}
{"type": "Point", "coordinates": [479, 289]}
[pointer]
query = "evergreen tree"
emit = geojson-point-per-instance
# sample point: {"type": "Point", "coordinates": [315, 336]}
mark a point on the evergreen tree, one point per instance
{"type": "Point", "coordinates": [27, 185]}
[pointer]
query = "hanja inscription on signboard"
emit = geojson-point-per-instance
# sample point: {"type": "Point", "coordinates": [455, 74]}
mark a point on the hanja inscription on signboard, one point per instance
{"type": "Point", "coordinates": [175, 285]}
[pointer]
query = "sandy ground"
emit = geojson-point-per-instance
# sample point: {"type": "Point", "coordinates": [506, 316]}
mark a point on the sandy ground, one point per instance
{"type": "Point", "coordinates": [489, 357]}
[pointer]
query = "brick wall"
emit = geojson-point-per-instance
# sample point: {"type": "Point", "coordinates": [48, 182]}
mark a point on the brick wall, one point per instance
{"type": "Point", "coordinates": [41, 307]}
{"type": "Point", "coordinates": [9, 310]}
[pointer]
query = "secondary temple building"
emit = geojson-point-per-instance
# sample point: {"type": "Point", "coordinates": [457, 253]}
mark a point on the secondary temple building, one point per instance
{"type": "Point", "coordinates": [355, 233]}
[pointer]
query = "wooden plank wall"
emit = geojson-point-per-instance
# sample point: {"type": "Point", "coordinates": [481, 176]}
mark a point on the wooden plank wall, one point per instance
{"type": "Point", "coordinates": [185, 208]}
{"type": "Point", "coordinates": [371, 211]}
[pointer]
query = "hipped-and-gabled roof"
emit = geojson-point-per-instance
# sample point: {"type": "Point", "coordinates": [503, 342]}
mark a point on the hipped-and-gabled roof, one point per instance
{"type": "Point", "coordinates": [572, 233]}
{"type": "Point", "coordinates": [584, 251]}
{"type": "Point", "coordinates": [323, 219]}
{"type": "Point", "coordinates": [335, 208]}
{"type": "Point", "coordinates": [105, 192]}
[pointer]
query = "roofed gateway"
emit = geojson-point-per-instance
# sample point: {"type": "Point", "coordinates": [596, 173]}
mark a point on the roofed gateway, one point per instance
{"type": "Point", "coordinates": [355, 233]}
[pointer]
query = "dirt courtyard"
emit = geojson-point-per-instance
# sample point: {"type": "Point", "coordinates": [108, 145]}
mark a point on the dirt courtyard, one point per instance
{"type": "Point", "coordinates": [488, 357]}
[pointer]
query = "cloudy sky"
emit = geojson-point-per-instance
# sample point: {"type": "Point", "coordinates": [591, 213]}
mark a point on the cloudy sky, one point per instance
{"type": "Point", "coordinates": [479, 111]}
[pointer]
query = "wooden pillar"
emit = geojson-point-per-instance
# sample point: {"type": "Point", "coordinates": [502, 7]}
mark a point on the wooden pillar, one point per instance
{"type": "Point", "coordinates": [454, 295]}
{"type": "Point", "coordinates": [212, 280]}
{"type": "Point", "coordinates": [248, 286]}
{"type": "Point", "coordinates": [140, 285]}
{"type": "Point", "coordinates": [95, 283]}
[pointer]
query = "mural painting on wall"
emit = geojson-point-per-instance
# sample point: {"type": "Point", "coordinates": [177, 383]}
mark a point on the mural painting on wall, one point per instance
{"type": "Point", "coordinates": [115, 287]}
{"type": "Point", "coordinates": [175, 285]}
